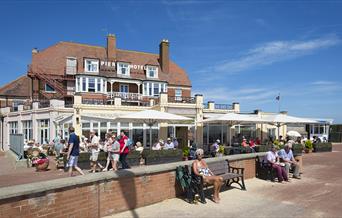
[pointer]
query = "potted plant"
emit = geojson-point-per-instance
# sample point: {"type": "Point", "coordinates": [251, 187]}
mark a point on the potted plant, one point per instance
{"type": "Point", "coordinates": [186, 152]}
{"type": "Point", "coordinates": [220, 151]}
{"type": "Point", "coordinates": [308, 146]}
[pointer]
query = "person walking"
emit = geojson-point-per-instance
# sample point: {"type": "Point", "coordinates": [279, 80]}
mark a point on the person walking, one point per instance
{"type": "Point", "coordinates": [123, 150]}
{"type": "Point", "coordinates": [73, 152]}
{"type": "Point", "coordinates": [95, 150]}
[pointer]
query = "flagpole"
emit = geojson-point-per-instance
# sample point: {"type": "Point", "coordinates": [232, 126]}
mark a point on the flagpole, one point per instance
{"type": "Point", "coordinates": [279, 102]}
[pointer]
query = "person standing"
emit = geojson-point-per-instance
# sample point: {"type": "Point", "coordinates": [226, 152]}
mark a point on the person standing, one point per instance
{"type": "Point", "coordinates": [123, 150]}
{"type": "Point", "coordinates": [115, 153]}
{"type": "Point", "coordinates": [95, 150]}
{"type": "Point", "coordinates": [73, 152]}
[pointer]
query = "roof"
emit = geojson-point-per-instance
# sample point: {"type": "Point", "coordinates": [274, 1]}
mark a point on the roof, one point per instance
{"type": "Point", "coordinates": [19, 87]}
{"type": "Point", "coordinates": [52, 60]}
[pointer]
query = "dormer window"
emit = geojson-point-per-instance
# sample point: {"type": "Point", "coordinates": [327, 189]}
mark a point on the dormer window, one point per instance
{"type": "Point", "coordinates": [91, 66]}
{"type": "Point", "coordinates": [151, 72]}
{"type": "Point", "coordinates": [123, 69]}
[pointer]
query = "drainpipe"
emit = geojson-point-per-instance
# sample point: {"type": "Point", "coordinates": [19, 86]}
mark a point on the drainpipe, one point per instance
{"type": "Point", "coordinates": [2, 132]}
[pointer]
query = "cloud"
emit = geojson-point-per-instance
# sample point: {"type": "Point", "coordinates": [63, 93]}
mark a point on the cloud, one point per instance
{"type": "Point", "coordinates": [276, 51]}
{"type": "Point", "coordinates": [323, 83]}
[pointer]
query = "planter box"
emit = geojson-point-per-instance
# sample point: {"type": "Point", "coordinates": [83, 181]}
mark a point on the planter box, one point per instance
{"type": "Point", "coordinates": [322, 147]}
{"type": "Point", "coordinates": [163, 156]}
{"type": "Point", "coordinates": [84, 162]}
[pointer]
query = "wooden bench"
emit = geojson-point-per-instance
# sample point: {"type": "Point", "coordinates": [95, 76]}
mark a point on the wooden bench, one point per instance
{"type": "Point", "coordinates": [229, 174]}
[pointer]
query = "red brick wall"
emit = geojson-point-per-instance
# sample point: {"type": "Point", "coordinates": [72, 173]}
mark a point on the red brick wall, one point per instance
{"type": "Point", "coordinates": [102, 198]}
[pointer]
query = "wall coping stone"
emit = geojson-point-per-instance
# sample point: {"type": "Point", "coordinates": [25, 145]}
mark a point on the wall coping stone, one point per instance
{"type": "Point", "coordinates": [45, 186]}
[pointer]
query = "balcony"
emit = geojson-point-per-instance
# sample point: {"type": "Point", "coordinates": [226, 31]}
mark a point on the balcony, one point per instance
{"type": "Point", "coordinates": [179, 99]}
{"type": "Point", "coordinates": [126, 96]}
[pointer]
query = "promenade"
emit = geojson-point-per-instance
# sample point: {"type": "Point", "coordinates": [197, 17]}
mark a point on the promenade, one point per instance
{"type": "Point", "coordinates": [317, 194]}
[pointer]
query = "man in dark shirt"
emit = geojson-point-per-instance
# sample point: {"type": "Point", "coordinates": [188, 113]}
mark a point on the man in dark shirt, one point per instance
{"type": "Point", "coordinates": [73, 151]}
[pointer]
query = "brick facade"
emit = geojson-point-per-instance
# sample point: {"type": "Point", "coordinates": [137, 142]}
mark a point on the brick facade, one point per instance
{"type": "Point", "coordinates": [98, 199]}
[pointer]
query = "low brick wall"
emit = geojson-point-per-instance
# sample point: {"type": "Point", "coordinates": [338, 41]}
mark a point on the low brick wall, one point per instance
{"type": "Point", "coordinates": [101, 194]}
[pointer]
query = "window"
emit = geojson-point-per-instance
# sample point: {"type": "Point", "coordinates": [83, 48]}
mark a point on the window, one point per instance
{"type": "Point", "coordinates": [49, 88]}
{"type": "Point", "coordinates": [153, 89]}
{"type": "Point", "coordinates": [124, 88]}
{"type": "Point", "coordinates": [91, 66]}
{"type": "Point", "coordinates": [152, 72]}
{"type": "Point", "coordinates": [178, 94]}
{"type": "Point", "coordinates": [156, 89]}
{"type": "Point", "coordinates": [91, 85]}
{"type": "Point", "coordinates": [99, 85]}
{"type": "Point", "coordinates": [27, 130]}
{"type": "Point", "coordinates": [44, 131]}
{"type": "Point", "coordinates": [13, 127]}
{"type": "Point", "coordinates": [84, 84]}
{"type": "Point", "coordinates": [71, 64]}
{"type": "Point", "coordinates": [78, 84]}
{"type": "Point", "coordinates": [123, 69]}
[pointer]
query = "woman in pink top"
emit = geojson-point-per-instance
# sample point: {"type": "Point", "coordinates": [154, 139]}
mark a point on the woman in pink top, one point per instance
{"type": "Point", "coordinates": [123, 150]}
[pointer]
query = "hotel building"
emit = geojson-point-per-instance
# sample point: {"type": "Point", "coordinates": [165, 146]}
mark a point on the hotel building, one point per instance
{"type": "Point", "coordinates": [88, 87]}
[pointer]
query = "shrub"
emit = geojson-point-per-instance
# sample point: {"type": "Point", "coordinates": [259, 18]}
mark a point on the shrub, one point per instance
{"type": "Point", "coordinates": [186, 151]}
{"type": "Point", "coordinates": [322, 147]}
{"type": "Point", "coordinates": [308, 144]}
{"type": "Point", "coordinates": [221, 149]}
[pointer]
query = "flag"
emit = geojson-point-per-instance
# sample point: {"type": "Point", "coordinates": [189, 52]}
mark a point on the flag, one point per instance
{"type": "Point", "coordinates": [278, 98]}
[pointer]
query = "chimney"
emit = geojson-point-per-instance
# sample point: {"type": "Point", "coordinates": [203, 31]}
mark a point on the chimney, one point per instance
{"type": "Point", "coordinates": [111, 47]}
{"type": "Point", "coordinates": [164, 55]}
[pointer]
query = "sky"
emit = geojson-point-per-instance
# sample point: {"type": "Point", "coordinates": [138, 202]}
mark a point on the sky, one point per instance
{"type": "Point", "coordinates": [233, 51]}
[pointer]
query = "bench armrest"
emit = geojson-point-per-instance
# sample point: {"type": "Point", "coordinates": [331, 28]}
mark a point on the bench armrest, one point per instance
{"type": "Point", "coordinates": [236, 170]}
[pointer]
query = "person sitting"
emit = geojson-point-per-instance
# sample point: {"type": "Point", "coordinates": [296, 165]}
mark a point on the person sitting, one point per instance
{"type": "Point", "coordinates": [138, 147]}
{"type": "Point", "coordinates": [169, 144]}
{"type": "Point", "coordinates": [286, 156]}
{"type": "Point", "coordinates": [200, 169]}
{"type": "Point", "coordinates": [273, 159]}
{"type": "Point", "coordinates": [158, 146]}
{"type": "Point", "coordinates": [257, 141]}
{"type": "Point", "coordinates": [214, 148]}
{"type": "Point", "coordinates": [175, 142]}
{"type": "Point", "coordinates": [244, 143]}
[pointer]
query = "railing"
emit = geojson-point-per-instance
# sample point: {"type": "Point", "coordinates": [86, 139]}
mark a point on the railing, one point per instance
{"type": "Point", "coordinates": [179, 99]}
{"type": "Point", "coordinates": [223, 106]}
{"type": "Point", "coordinates": [125, 96]}
{"type": "Point", "coordinates": [93, 101]}
{"type": "Point", "coordinates": [44, 104]}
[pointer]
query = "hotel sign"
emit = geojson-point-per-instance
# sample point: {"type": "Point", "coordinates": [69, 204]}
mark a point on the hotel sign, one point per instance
{"type": "Point", "coordinates": [112, 64]}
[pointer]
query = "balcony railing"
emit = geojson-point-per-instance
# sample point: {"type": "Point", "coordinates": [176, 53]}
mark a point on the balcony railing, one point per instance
{"type": "Point", "coordinates": [223, 106]}
{"type": "Point", "coordinates": [93, 101]}
{"type": "Point", "coordinates": [179, 99]}
{"type": "Point", "coordinates": [125, 96]}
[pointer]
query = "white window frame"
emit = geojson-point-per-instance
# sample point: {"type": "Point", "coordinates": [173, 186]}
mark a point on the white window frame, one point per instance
{"type": "Point", "coordinates": [13, 127]}
{"type": "Point", "coordinates": [122, 65]}
{"type": "Point", "coordinates": [45, 129]}
{"type": "Point", "coordinates": [121, 85]}
{"type": "Point", "coordinates": [178, 97]}
{"type": "Point", "coordinates": [152, 68]}
{"type": "Point", "coordinates": [92, 62]}
{"type": "Point", "coordinates": [27, 129]}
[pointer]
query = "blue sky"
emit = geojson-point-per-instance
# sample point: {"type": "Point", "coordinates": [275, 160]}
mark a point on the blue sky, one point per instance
{"type": "Point", "coordinates": [235, 51]}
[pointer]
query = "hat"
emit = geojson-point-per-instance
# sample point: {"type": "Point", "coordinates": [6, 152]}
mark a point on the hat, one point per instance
{"type": "Point", "coordinates": [218, 140]}
{"type": "Point", "coordinates": [161, 141]}
{"type": "Point", "coordinates": [138, 144]}
{"type": "Point", "coordinates": [168, 139]}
